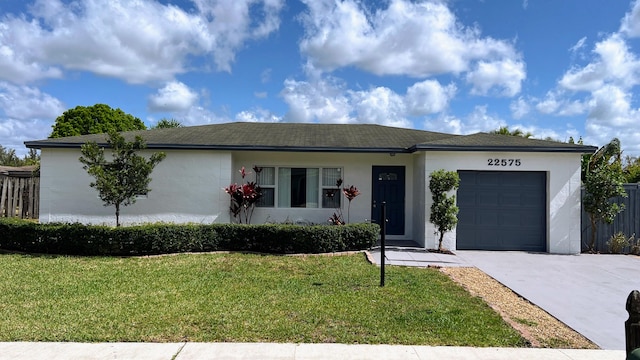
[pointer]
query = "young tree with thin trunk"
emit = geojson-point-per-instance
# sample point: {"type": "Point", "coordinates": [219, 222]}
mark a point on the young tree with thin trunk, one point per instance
{"type": "Point", "coordinates": [444, 212]}
{"type": "Point", "coordinates": [120, 180]}
{"type": "Point", "coordinates": [603, 179]}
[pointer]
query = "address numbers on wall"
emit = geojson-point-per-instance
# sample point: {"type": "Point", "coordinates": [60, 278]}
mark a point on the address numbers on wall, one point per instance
{"type": "Point", "coordinates": [504, 162]}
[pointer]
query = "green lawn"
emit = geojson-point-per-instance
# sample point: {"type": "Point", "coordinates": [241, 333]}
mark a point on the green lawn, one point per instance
{"type": "Point", "coordinates": [240, 298]}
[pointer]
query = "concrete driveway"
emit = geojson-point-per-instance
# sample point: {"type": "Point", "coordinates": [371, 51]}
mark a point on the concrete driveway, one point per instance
{"type": "Point", "coordinates": [587, 292]}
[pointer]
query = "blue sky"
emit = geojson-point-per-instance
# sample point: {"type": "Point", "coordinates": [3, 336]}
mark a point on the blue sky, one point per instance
{"type": "Point", "coordinates": [553, 68]}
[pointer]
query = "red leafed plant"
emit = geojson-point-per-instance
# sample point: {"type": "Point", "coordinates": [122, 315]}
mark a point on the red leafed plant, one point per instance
{"type": "Point", "coordinates": [336, 219]}
{"type": "Point", "coordinates": [243, 198]}
{"type": "Point", "coordinates": [350, 193]}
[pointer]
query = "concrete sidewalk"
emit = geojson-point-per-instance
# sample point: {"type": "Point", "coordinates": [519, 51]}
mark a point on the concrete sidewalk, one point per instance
{"type": "Point", "coordinates": [269, 351]}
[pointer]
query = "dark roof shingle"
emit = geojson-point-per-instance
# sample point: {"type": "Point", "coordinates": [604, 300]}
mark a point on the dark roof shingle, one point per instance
{"type": "Point", "coordinates": [499, 142]}
{"type": "Point", "coordinates": [314, 137]}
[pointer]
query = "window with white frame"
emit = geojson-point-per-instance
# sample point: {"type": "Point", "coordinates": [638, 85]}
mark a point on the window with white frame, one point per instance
{"type": "Point", "coordinates": [266, 179]}
{"type": "Point", "coordinates": [331, 187]}
{"type": "Point", "coordinates": [297, 187]}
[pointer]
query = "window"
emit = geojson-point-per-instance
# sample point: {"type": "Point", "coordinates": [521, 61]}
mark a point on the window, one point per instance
{"type": "Point", "coordinates": [298, 187]}
{"type": "Point", "coordinates": [388, 177]}
{"type": "Point", "coordinates": [331, 192]}
{"type": "Point", "coordinates": [291, 187]}
{"type": "Point", "coordinates": [266, 179]}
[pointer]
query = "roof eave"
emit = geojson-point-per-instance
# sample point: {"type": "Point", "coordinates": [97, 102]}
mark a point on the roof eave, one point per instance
{"type": "Point", "coordinates": [581, 150]}
{"type": "Point", "coordinates": [61, 145]}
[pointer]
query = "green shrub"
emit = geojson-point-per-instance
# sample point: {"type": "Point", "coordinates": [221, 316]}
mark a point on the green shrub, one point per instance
{"type": "Point", "coordinates": [619, 242]}
{"type": "Point", "coordinates": [79, 239]}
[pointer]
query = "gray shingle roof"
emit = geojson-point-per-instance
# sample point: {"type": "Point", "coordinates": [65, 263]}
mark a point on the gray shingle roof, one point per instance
{"type": "Point", "coordinates": [498, 142]}
{"type": "Point", "coordinates": [315, 137]}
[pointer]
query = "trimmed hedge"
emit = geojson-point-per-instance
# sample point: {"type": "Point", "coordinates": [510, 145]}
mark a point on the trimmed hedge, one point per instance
{"type": "Point", "coordinates": [80, 239]}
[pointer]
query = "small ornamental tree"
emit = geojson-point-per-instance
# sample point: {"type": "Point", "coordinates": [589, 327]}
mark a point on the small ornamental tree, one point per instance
{"type": "Point", "coordinates": [603, 179]}
{"type": "Point", "coordinates": [120, 180]}
{"type": "Point", "coordinates": [244, 197]}
{"type": "Point", "coordinates": [444, 212]}
{"type": "Point", "coordinates": [350, 193]}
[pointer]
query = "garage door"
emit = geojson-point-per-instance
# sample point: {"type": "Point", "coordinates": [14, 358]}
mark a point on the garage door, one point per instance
{"type": "Point", "coordinates": [502, 210]}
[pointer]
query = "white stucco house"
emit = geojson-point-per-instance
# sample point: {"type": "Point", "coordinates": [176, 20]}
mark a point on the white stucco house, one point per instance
{"type": "Point", "coordinates": [515, 193]}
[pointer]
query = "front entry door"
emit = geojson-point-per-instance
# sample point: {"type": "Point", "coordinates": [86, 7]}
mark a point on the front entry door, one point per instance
{"type": "Point", "coordinates": [388, 185]}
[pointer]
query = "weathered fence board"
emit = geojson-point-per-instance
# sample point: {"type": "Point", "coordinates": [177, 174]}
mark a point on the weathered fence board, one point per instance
{"type": "Point", "coordinates": [3, 195]}
{"type": "Point", "coordinates": [19, 196]}
{"type": "Point", "coordinates": [628, 221]}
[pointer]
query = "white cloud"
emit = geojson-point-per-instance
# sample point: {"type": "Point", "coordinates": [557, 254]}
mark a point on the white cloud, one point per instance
{"type": "Point", "coordinates": [480, 120]}
{"type": "Point", "coordinates": [25, 103]}
{"type": "Point", "coordinates": [417, 39]}
{"type": "Point", "coordinates": [428, 97]}
{"type": "Point", "coordinates": [600, 134]}
{"type": "Point", "coordinates": [587, 78]}
{"type": "Point", "coordinates": [559, 103]}
{"type": "Point", "coordinates": [445, 123]}
{"type": "Point", "coordinates": [13, 133]}
{"type": "Point", "coordinates": [327, 100]}
{"type": "Point", "coordinates": [550, 104]}
{"type": "Point", "coordinates": [620, 64]}
{"type": "Point", "coordinates": [22, 68]}
{"type": "Point", "coordinates": [603, 89]}
{"type": "Point", "coordinates": [257, 115]}
{"type": "Point", "coordinates": [322, 101]}
{"type": "Point", "coordinates": [611, 106]}
{"type": "Point", "coordinates": [137, 41]}
{"type": "Point", "coordinates": [630, 25]}
{"type": "Point", "coordinates": [573, 108]}
{"type": "Point", "coordinates": [198, 115]}
{"type": "Point", "coordinates": [26, 114]}
{"type": "Point", "coordinates": [613, 63]}
{"type": "Point", "coordinates": [579, 45]}
{"type": "Point", "coordinates": [173, 97]}
{"type": "Point", "coordinates": [265, 76]}
{"type": "Point", "coordinates": [506, 75]}
{"type": "Point", "coordinates": [519, 108]}
{"type": "Point", "coordinates": [380, 106]}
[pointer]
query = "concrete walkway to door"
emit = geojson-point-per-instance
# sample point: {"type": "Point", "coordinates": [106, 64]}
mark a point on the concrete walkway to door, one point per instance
{"type": "Point", "coordinates": [587, 292]}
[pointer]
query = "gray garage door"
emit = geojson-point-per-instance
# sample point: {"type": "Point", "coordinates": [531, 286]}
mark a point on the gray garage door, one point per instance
{"type": "Point", "coordinates": [502, 210]}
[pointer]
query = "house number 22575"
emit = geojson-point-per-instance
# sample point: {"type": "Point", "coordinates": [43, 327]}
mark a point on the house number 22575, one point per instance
{"type": "Point", "coordinates": [503, 162]}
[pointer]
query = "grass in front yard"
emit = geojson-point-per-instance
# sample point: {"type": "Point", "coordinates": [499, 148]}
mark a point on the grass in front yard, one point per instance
{"type": "Point", "coordinates": [238, 298]}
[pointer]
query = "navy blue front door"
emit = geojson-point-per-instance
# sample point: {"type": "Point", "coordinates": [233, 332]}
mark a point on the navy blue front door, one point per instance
{"type": "Point", "coordinates": [388, 186]}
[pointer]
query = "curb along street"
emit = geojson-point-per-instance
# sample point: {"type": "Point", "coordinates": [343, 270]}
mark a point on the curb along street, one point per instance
{"type": "Point", "coordinates": [271, 351]}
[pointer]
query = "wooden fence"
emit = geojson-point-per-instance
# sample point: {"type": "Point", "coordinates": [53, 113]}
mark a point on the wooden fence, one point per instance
{"type": "Point", "coordinates": [627, 222]}
{"type": "Point", "coordinates": [19, 192]}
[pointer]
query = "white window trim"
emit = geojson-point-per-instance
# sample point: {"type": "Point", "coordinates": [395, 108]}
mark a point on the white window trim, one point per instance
{"type": "Point", "coordinates": [321, 188]}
